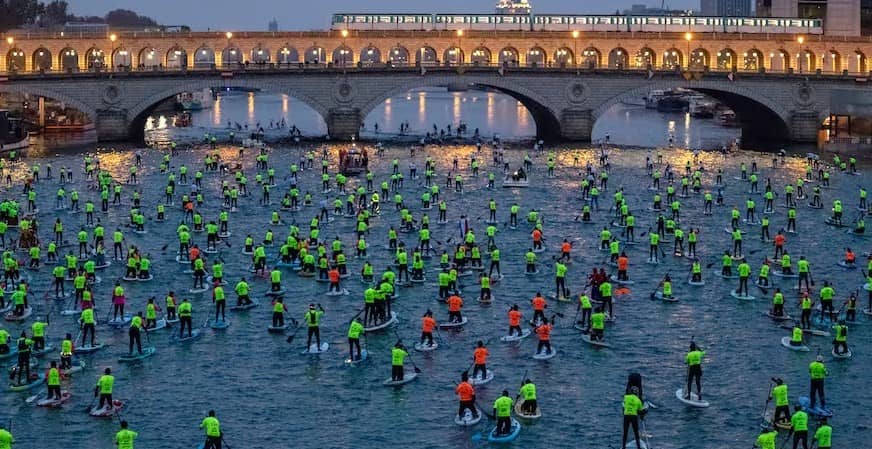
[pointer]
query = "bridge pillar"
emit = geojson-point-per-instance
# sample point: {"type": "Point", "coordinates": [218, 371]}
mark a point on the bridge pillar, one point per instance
{"type": "Point", "coordinates": [576, 124]}
{"type": "Point", "coordinates": [804, 126]}
{"type": "Point", "coordinates": [343, 123]}
{"type": "Point", "coordinates": [112, 125]}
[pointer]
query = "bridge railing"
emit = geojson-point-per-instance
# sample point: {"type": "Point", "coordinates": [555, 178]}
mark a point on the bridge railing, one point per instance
{"type": "Point", "coordinates": [231, 69]}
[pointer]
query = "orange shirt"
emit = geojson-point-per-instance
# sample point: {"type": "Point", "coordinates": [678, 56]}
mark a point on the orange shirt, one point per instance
{"type": "Point", "coordinates": [544, 332]}
{"type": "Point", "coordinates": [480, 355]}
{"type": "Point", "coordinates": [537, 235]}
{"type": "Point", "coordinates": [623, 262]}
{"type": "Point", "coordinates": [333, 275]}
{"type": "Point", "coordinates": [194, 253]}
{"type": "Point", "coordinates": [454, 303]}
{"type": "Point", "coordinates": [514, 317]}
{"type": "Point", "coordinates": [565, 247]}
{"type": "Point", "coordinates": [428, 324]}
{"type": "Point", "coordinates": [465, 391]}
{"type": "Point", "coordinates": [779, 240]}
{"type": "Point", "coordinates": [849, 256]}
{"type": "Point", "coordinates": [538, 303]}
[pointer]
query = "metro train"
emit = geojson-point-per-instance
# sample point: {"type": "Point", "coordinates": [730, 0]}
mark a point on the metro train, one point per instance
{"type": "Point", "coordinates": [581, 23]}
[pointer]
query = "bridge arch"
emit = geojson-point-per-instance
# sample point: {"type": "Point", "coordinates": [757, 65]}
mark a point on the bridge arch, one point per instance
{"type": "Point", "coordinates": [231, 55]}
{"type": "Point", "coordinates": [832, 61]}
{"type": "Point", "coordinates": [453, 56]}
{"type": "Point", "coordinates": [148, 57]}
{"type": "Point", "coordinates": [342, 55]}
{"type": "Point", "coordinates": [480, 56]}
{"type": "Point", "coordinates": [287, 55]}
{"type": "Point", "coordinates": [399, 56]}
{"type": "Point", "coordinates": [591, 57]}
{"type": "Point", "coordinates": [699, 59]}
{"type": "Point", "coordinates": [761, 117]}
{"type": "Point", "coordinates": [673, 59]}
{"type": "Point", "coordinates": [726, 59]}
{"type": "Point", "coordinates": [15, 60]}
{"type": "Point", "coordinates": [618, 58]}
{"type": "Point", "coordinates": [563, 56]}
{"type": "Point", "coordinates": [546, 119]}
{"type": "Point", "coordinates": [857, 64]}
{"type": "Point", "coordinates": [95, 58]}
{"type": "Point", "coordinates": [204, 58]}
{"type": "Point", "coordinates": [752, 59]}
{"type": "Point", "coordinates": [120, 58]}
{"type": "Point", "coordinates": [426, 55]}
{"type": "Point", "coordinates": [68, 59]}
{"type": "Point", "coordinates": [177, 58]}
{"type": "Point", "coordinates": [806, 61]}
{"type": "Point", "coordinates": [370, 55]}
{"type": "Point", "coordinates": [260, 55]}
{"type": "Point", "coordinates": [779, 60]}
{"type": "Point", "coordinates": [536, 56]}
{"type": "Point", "coordinates": [315, 55]}
{"type": "Point", "coordinates": [41, 59]}
{"type": "Point", "coordinates": [509, 56]}
{"type": "Point", "coordinates": [139, 112]}
{"type": "Point", "coordinates": [13, 88]}
{"type": "Point", "coordinates": [645, 57]}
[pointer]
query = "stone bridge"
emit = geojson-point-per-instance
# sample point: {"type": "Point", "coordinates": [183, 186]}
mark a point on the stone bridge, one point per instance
{"type": "Point", "coordinates": [565, 103]}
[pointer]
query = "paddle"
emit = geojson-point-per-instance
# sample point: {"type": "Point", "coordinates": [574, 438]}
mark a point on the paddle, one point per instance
{"type": "Point", "coordinates": [290, 338]}
{"type": "Point", "coordinates": [764, 421]}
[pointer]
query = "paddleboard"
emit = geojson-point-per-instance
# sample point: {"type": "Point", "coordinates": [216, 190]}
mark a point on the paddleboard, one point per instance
{"type": "Point", "coordinates": [107, 410]}
{"type": "Point", "coordinates": [11, 316]}
{"type": "Point", "coordinates": [449, 324]}
{"type": "Point", "coordinates": [848, 266]}
{"type": "Point", "coordinates": [782, 275]}
{"type": "Point", "coordinates": [694, 400]}
{"type": "Point", "coordinates": [314, 349]}
{"type": "Point", "coordinates": [146, 352]}
{"type": "Point", "coordinates": [383, 325]}
{"type": "Point", "coordinates": [65, 396]}
{"type": "Point", "coordinates": [195, 334]}
{"type": "Point", "coordinates": [844, 355]}
{"type": "Point", "coordinates": [782, 317]}
{"type": "Point", "coordinates": [468, 419]}
{"type": "Point", "coordinates": [600, 344]}
{"type": "Point", "coordinates": [407, 377]}
{"type": "Point", "coordinates": [158, 325]}
{"type": "Point", "coordinates": [33, 383]}
{"type": "Point", "coordinates": [77, 367]}
{"type": "Point", "coordinates": [515, 337]}
{"type": "Point", "coordinates": [545, 355]}
{"type": "Point", "coordinates": [659, 295]}
{"type": "Point", "coordinates": [87, 349]}
{"type": "Point", "coordinates": [219, 324]}
{"type": "Point", "coordinates": [785, 341]}
{"type": "Point", "coordinates": [513, 433]}
{"type": "Point", "coordinates": [423, 347]}
{"type": "Point", "coordinates": [736, 295]}
{"type": "Point", "coordinates": [120, 322]}
{"type": "Point", "coordinates": [817, 410]}
{"type": "Point", "coordinates": [519, 410]}
{"type": "Point", "coordinates": [277, 329]}
{"type": "Point", "coordinates": [251, 305]}
{"type": "Point", "coordinates": [614, 279]}
{"type": "Point", "coordinates": [696, 284]}
{"type": "Point", "coordinates": [478, 380]}
{"type": "Point", "coordinates": [343, 292]}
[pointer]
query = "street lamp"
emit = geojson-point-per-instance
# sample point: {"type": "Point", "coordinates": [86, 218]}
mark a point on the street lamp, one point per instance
{"type": "Point", "coordinates": [575, 35]}
{"type": "Point", "coordinates": [800, 39]}
{"type": "Point", "coordinates": [344, 34]}
{"type": "Point", "coordinates": [10, 40]}
{"type": "Point", "coordinates": [229, 35]}
{"type": "Point", "coordinates": [688, 36]}
{"type": "Point", "coordinates": [460, 46]}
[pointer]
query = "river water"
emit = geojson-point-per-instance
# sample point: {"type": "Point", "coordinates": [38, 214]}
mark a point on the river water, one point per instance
{"type": "Point", "coordinates": [268, 395]}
